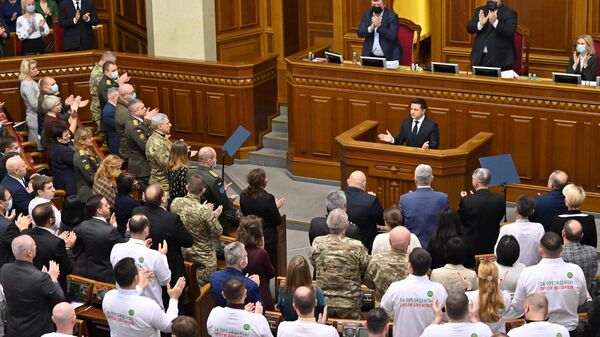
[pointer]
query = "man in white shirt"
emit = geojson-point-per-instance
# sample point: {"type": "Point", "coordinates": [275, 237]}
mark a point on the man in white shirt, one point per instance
{"type": "Point", "coordinates": [536, 312]}
{"type": "Point", "coordinates": [44, 191]}
{"type": "Point", "coordinates": [528, 234]}
{"type": "Point", "coordinates": [457, 308]}
{"type": "Point", "coordinates": [64, 317]}
{"type": "Point", "coordinates": [237, 319]}
{"type": "Point", "coordinates": [304, 304]}
{"type": "Point", "coordinates": [562, 283]}
{"type": "Point", "coordinates": [410, 301]}
{"type": "Point", "coordinates": [145, 258]}
{"type": "Point", "coordinates": [132, 315]}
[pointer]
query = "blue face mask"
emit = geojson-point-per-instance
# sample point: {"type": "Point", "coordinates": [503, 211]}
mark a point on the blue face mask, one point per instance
{"type": "Point", "coordinates": [115, 75]}
{"type": "Point", "coordinates": [18, 150]}
{"type": "Point", "coordinates": [581, 48]}
{"type": "Point", "coordinates": [31, 9]}
{"type": "Point", "coordinates": [133, 97]}
{"type": "Point", "coordinates": [54, 88]}
{"type": "Point", "coordinates": [10, 204]}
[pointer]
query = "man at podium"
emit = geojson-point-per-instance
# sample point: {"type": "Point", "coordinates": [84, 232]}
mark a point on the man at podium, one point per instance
{"type": "Point", "coordinates": [417, 130]}
{"type": "Point", "coordinates": [379, 28]}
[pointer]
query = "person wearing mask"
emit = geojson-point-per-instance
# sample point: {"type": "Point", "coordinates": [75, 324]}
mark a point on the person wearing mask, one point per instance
{"type": "Point", "coordinates": [63, 316]}
{"type": "Point", "coordinates": [108, 120]}
{"type": "Point", "coordinates": [392, 217]}
{"type": "Point", "coordinates": [9, 147]}
{"type": "Point", "coordinates": [461, 321]}
{"type": "Point", "coordinates": [581, 255]}
{"type": "Point", "coordinates": [110, 79]}
{"type": "Point", "coordinates": [158, 149]}
{"type": "Point", "coordinates": [451, 275]}
{"type": "Point", "coordinates": [30, 90]}
{"type": "Point", "coordinates": [178, 164]}
{"type": "Point", "coordinates": [584, 60]}
{"type": "Point", "coordinates": [44, 191]}
{"type": "Point", "coordinates": [298, 275]}
{"type": "Point", "coordinates": [49, 87]}
{"type": "Point", "coordinates": [379, 28]}
{"type": "Point", "coordinates": [574, 198]}
{"type": "Point", "coordinates": [77, 19]}
{"type": "Point", "coordinates": [548, 205]}
{"type": "Point", "coordinates": [85, 161]}
{"type": "Point", "coordinates": [19, 186]}
{"type": "Point", "coordinates": [31, 28]}
{"type": "Point", "coordinates": [318, 226]}
{"type": "Point", "coordinates": [304, 304]}
{"type": "Point", "coordinates": [126, 96]}
{"type": "Point", "coordinates": [137, 133]}
{"type": "Point", "coordinates": [184, 326]}
{"type": "Point", "coordinates": [61, 161]}
{"type": "Point", "coordinates": [536, 319]}
{"type": "Point", "coordinates": [95, 78]}
{"type": "Point", "coordinates": [53, 118]}
{"type": "Point", "coordinates": [125, 202]}
{"type": "Point", "coordinates": [11, 10]}
{"type": "Point", "coordinates": [131, 314]}
{"type": "Point", "coordinates": [105, 183]}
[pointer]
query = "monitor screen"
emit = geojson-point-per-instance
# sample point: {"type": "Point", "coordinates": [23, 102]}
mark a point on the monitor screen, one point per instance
{"type": "Point", "coordinates": [438, 67]}
{"type": "Point", "coordinates": [334, 58]}
{"type": "Point", "coordinates": [487, 71]}
{"type": "Point", "coordinates": [566, 78]}
{"type": "Point", "coordinates": [78, 291]}
{"type": "Point", "coordinates": [367, 61]}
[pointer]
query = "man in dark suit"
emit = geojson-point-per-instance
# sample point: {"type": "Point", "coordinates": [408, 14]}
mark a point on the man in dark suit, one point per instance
{"type": "Point", "coordinates": [553, 203]}
{"type": "Point", "coordinates": [364, 209]}
{"type": "Point", "coordinates": [96, 237]}
{"type": "Point", "coordinates": [10, 226]}
{"type": "Point", "coordinates": [417, 130]}
{"type": "Point", "coordinates": [168, 226]}
{"type": "Point", "coordinates": [19, 187]}
{"type": "Point", "coordinates": [318, 226]}
{"type": "Point", "coordinates": [422, 207]}
{"type": "Point", "coordinates": [77, 17]}
{"type": "Point", "coordinates": [108, 119]}
{"type": "Point", "coordinates": [30, 293]}
{"type": "Point", "coordinates": [379, 28]}
{"type": "Point", "coordinates": [494, 25]}
{"type": "Point", "coordinates": [50, 247]}
{"type": "Point", "coordinates": [481, 212]}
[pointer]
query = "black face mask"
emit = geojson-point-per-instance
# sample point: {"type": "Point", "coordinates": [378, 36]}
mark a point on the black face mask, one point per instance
{"type": "Point", "coordinates": [492, 5]}
{"type": "Point", "coordinates": [377, 10]}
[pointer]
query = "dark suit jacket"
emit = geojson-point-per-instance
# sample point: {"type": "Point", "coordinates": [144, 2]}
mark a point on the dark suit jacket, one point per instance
{"type": "Point", "coordinates": [481, 213]}
{"type": "Point", "coordinates": [96, 238]}
{"type": "Point", "coordinates": [366, 212]}
{"type": "Point", "coordinates": [264, 207]}
{"type": "Point", "coordinates": [78, 36]}
{"type": "Point", "coordinates": [20, 196]}
{"type": "Point", "coordinates": [427, 132]}
{"type": "Point", "coordinates": [588, 73]}
{"type": "Point", "coordinates": [421, 210]}
{"type": "Point", "coordinates": [51, 248]}
{"type": "Point", "coordinates": [61, 163]}
{"type": "Point", "coordinates": [499, 41]}
{"type": "Point", "coordinates": [10, 232]}
{"type": "Point", "coordinates": [30, 297]}
{"type": "Point", "coordinates": [318, 227]}
{"type": "Point", "coordinates": [547, 206]}
{"type": "Point", "coordinates": [108, 118]}
{"type": "Point", "coordinates": [388, 35]}
{"type": "Point", "coordinates": [588, 223]}
{"type": "Point", "coordinates": [168, 226]}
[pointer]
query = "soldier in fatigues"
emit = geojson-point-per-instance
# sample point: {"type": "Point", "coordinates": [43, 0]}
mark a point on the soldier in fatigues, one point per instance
{"type": "Point", "coordinates": [216, 190]}
{"type": "Point", "coordinates": [137, 133]}
{"type": "Point", "coordinates": [339, 263]}
{"type": "Point", "coordinates": [389, 267]}
{"type": "Point", "coordinates": [158, 149]}
{"type": "Point", "coordinates": [95, 78]}
{"type": "Point", "coordinates": [110, 79]}
{"type": "Point", "coordinates": [204, 226]}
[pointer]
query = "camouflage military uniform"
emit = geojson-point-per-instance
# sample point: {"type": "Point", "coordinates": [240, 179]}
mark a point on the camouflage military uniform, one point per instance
{"type": "Point", "coordinates": [204, 227]}
{"type": "Point", "coordinates": [137, 133]}
{"type": "Point", "coordinates": [157, 152]}
{"type": "Point", "coordinates": [385, 269]}
{"type": "Point", "coordinates": [339, 263]}
{"type": "Point", "coordinates": [95, 78]}
{"type": "Point", "coordinates": [85, 168]}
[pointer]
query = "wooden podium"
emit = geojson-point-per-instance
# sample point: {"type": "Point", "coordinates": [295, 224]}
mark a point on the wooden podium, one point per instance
{"type": "Point", "coordinates": [390, 168]}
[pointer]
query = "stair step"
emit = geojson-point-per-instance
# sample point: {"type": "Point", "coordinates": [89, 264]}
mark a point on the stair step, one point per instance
{"type": "Point", "coordinates": [279, 125]}
{"type": "Point", "coordinates": [268, 157]}
{"type": "Point", "coordinates": [276, 140]}
{"type": "Point", "coordinates": [283, 110]}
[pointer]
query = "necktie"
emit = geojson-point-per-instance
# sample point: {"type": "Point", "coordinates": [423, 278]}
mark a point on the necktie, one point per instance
{"type": "Point", "coordinates": [415, 128]}
{"type": "Point", "coordinates": [77, 5]}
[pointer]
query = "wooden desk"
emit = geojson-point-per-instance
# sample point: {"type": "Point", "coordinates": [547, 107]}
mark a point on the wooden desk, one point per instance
{"type": "Point", "coordinates": [545, 126]}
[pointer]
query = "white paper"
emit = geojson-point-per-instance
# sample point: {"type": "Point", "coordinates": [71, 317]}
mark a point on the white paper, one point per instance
{"type": "Point", "coordinates": [509, 74]}
{"type": "Point", "coordinates": [76, 305]}
{"type": "Point", "coordinates": [392, 64]}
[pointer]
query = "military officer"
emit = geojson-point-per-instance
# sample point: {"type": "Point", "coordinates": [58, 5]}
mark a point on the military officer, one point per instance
{"type": "Point", "coordinates": [137, 133]}
{"type": "Point", "coordinates": [86, 163]}
{"type": "Point", "coordinates": [216, 190]}
{"type": "Point", "coordinates": [339, 263]}
{"type": "Point", "coordinates": [158, 149]}
{"type": "Point", "coordinates": [110, 79]}
{"type": "Point", "coordinates": [388, 267]}
{"type": "Point", "coordinates": [95, 78]}
{"type": "Point", "coordinates": [203, 224]}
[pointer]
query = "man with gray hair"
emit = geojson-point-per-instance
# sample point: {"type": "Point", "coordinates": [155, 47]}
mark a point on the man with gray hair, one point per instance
{"type": "Point", "coordinates": [158, 149]}
{"type": "Point", "coordinates": [421, 208]}
{"type": "Point", "coordinates": [481, 212]}
{"type": "Point", "coordinates": [318, 226]}
{"type": "Point", "coordinates": [30, 293]}
{"type": "Point", "coordinates": [136, 135]}
{"type": "Point", "coordinates": [236, 259]}
{"type": "Point", "coordinates": [551, 204]}
{"type": "Point", "coordinates": [339, 263]}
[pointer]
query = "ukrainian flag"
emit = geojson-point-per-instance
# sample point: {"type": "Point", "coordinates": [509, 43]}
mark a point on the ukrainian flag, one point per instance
{"type": "Point", "coordinates": [418, 11]}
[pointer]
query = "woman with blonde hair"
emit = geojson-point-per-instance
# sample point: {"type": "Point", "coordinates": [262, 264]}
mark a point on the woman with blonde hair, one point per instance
{"type": "Point", "coordinates": [574, 198]}
{"type": "Point", "coordinates": [30, 91]}
{"type": "Point", "coordinates": [177, 168]}
{"type": "Point", "coordinates": [85, 162]}
{"type": "Point", "coordinates": [491, 302]}
{"type": "Point", "coordinates": [297, 275]}
{"type": "Point", "coordinates": [584, 60]}
{"type": "Point", "coordinates": [105, 180]}
{"type": "Point", "coordinates": [31, 28]}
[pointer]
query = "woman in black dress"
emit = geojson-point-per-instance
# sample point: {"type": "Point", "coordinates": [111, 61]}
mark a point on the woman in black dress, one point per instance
{"type": "Point", "coordinates": [177, 168]}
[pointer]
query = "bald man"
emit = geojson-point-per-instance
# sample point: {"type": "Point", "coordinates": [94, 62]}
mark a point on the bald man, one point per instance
{"type": "Point", "coordinates": [64, 317]}
{"type": "Point", "coordinates": [552, 203]}
{"type": "Point", "coordinates": [30, 293]}
{"type": "Point", "coordinates": [364, 209]}
{"type": "Point", "coordinates": [388, 267]}
{"type": "Point", "coordinates": [19, 187]}
{"type": "Point", "coordinates": [536, 313]}
{"type": "Point", "coordinates": [582, 255]}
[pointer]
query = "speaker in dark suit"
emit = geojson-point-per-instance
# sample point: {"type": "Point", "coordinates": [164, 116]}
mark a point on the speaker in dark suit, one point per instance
{"type": "Point", "coordinates": [417, 130]}
{"type": "Point", "coordinates": [78, 33]}
{"type": "Point", "coordinates": [494, 44]}
{"type": "Point", "coordinates": [386, 34]}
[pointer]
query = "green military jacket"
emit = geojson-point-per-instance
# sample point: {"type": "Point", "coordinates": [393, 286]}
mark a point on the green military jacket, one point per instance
{"type": "Point", "coordinates": [157, 152]}
{"type": "Point", "coordinates": [105, 84]}
{"type": "Point", "coordinates": [85, 169]}
{"type": "Point", "coordinates": [95, 78]}
{"type": "Point", "coordinates": [137, 133]}
{"type": "Point", "coordinates": [385, 269]}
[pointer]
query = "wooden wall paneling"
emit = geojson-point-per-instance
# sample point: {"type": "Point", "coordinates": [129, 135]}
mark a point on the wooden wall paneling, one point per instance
{"type": "Point", "coordinates": [316, 22]}
{"type": "Point", "coordinates": [130, 26]}
{"type": "Point", "coordinates": [216, 114]}
{"type": "Point", "coordinates": [182, 103]}
{"type": "Point", "coordinates": [240, 49]}
{"type": "Point", "coordinates": [249, 13]}
{"type": "Point", "coordinates": [200, 113]}
{"type": "Point", "coordinates": [226, 12]}
{"type": "Point", "coordinates": [522, 147]}
{"type": "Point", "coordinates": [82, 89]}
{"type": "Point", "coordinates": [593, 18]}
{"type": "Point", "coordinates": [358, 110]}
{"type": "Point", "coordinates": [322, 126]}
{"type": "Point", "coordinates": [442, 118]}
{"type": "Point", "coordinates": [13, 102]}
{"type": "Point", "coordinates": [584, 155]}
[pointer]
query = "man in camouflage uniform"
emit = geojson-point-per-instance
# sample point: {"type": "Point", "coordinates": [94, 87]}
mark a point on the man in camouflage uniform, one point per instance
{"type": "Point", "coordinates": [339, 263]}
{"type": "Point", "coordinates": [110, 79]}
{"type": "Point", "coordinates": [95, 78]}
{"type": "Point", "coordinates": [158, 149]}
{"type": "Point", "coordinates": [137, 133]}
{"type": "Point", "coordinates": [386, 268]}
{"type": "Point", "coordinates": [216, 190]}
{"type": "Point", "coordinates": [203, 224]}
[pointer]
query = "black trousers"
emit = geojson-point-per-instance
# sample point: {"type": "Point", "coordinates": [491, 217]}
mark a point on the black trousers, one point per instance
{"type": "Point", "coordinates": [33, 46]}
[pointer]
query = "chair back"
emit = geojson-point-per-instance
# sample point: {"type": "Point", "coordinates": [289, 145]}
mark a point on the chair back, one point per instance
{"type": "Point", "coordinates": [59, 38]}
{"type": "Point", "coordinates": [406, 36]}
{"type": "Point", "coordinates": [522, 43]}
{"type": "Point", "coordinates": [483, 257]}
{"type": "Point", "coordinates": [596, 38]}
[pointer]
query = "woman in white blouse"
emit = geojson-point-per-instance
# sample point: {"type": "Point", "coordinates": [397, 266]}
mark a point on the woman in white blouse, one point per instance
{"type": "Point", "coordinates": [31, 28]}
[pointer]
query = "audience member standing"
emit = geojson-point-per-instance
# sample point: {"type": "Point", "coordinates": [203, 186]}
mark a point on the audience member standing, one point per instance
{"type": "Point", "coordinates": [507, 254]}
{"type": "Point", "coordinates": [64, 318]}
{"type": "Point", "coordinates": [392, 217]}
{"type": "Point", "coordinates": [178, 164]}
{"type": "Point", "coordinates": [136, 134]}
{"type": "Point", "coordinates": [454, 272]}
{"type": "Point", "coordinates": [105, 183]}
{"type": "Point", "coordinates": [318, 226]}
{"type": "Point", "coordinates": [52, 106]}
{"type": "Point", "coordinates": [125, 202]}
{"type": "Point", "coordinates": [460, 324]}
{"type": "Point", "coordinates": [86, 162]}
{"type": "Point", "coordinates": [481, 213]}
{"type": "Point", "coordinates": [377, 322]}
{"type": "Point", "coordinates": [364, 208]}
{"type": "Point", "coordinates": [574, 198]}
{"type": "Point", "coordinates": [448, 226]}
{"type": "Point", "coordinates": [422, 207]}
{"type": "Point", "coordinates": [61, 161]}
{"type": "Point", "coordinates": [108, 120]}
{"type": "Point", "coordinates": [44, 192]}
{"type": "Point", "coordinates": [95, 78]}
{"type": "Point", "coordinates": [31, 28]}
{"type": "Point", "coordinates": [10, 226]}
{"type": "Point", "coordinates": [11, 10]}
{"type": "Point", "coordinates": [110, 79]}
{"type": "Point", "coordinates": [298, 275]}
{"type": "Point", "coordinates": [30, 91]}
{"type": "Point", "coordinates": [20, 188]}
{"type": "Point", "coordinates": [581, 255]}
{"type": "Point", "coordinates": [536, 315]}
{"type": "Point", "coordinates": [158, 149]}
{"type": "Point", "coordinates": [77, 18]}
{"type": "Point", "coordinates": [184, 326]}
{"type": "Point", "coordinates": [304, 303]}
{"type": "Point", "coordinates": [549, 205]}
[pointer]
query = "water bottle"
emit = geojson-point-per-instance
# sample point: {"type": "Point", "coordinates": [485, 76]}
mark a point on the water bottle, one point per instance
{"type": "Point", "coordinates": [534, 77]}
{"type": "Point", "coordinates": [354, 58]}
{"type": "Point", "coordinates": [310, 56]}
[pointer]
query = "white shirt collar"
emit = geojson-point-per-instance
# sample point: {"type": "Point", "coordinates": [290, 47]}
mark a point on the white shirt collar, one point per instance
{"type": "Point", "coordinates": [47, 229]}
{"type": "Point", "coordinates": [100, 218]}
{"type": "Point", "coordinates": [420, 120]}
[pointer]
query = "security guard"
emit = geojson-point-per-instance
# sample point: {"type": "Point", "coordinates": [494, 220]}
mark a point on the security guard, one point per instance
{"type": "Point", "coordinates": [137, 133]}
{"type": "Point", "coordinates": [95, 78]}
{"type": "Point", "coordinates": [109, 80]}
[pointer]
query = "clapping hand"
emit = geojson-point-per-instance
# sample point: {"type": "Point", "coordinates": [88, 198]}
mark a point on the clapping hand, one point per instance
{"type": "Point", "coordinates": [323, 317]}
{"type": "Point", "coordinates": [258, 308]}
{"type": "Point", "coordinates": [124, 78]}
{"type": "Point", "coordinates": [86, 17]}
{"type": "Point", "coordinates": [376, 21]}
{"type": "Point", "coordinates": [10, 215]}
{"type": "Point", "coordinates": [42, 23]}
{"type": "Point", "coordinates": [113, 221]}
{"type": "Point", "coordinates": [584, 61]}
{"type": "Point", "coordinates": [437, 310]}
{"type": "Point", "coordinates": [23, 222]}
{"type": "Point", "coordinates": [208, 205]}
{"type": "Point", "coordinates": [163, 248]}
{"type": "Point", "coordinates": [175, 292]}
{"type": "Point", "coordinates": [280, 202]}
{"type": "Point", "coordinates": [144, 277]}
{"type": "Point", "coordinates": [53, 270]}
{"type": "Point", "coordinates": [482, 18]}
{"type": "Point", "coordinates": [217, 212]}
{"type": "Point", "coordinates": [77, 15]}
{"type": "Point", "coordinates": [473, 312]}
{"type": "Point", "coordinates": [13, 17]}
{"type": "Point", "coordinates": [492, 17]}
